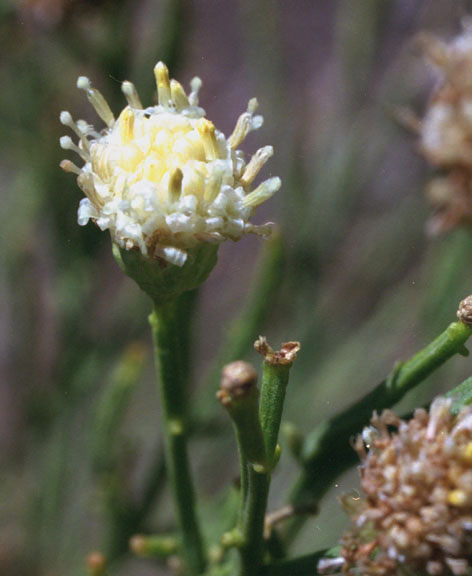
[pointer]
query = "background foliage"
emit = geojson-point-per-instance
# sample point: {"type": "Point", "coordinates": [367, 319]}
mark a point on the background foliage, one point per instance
{"type": "Point", "coordinates": [352, 274]}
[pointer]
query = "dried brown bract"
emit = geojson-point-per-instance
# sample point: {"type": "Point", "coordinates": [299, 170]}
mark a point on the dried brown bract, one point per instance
{"type": "Point", "coordinates": [286, 355]}
{"type": "Point", "coordinates": [416, 513]}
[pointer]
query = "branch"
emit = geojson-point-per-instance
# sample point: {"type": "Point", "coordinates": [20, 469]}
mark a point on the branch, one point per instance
{"type": "Point", "coordinates": [327, 451]}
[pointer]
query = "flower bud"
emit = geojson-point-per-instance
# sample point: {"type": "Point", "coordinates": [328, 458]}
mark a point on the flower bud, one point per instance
{"type": "Point", "coordinates": [464, 313]}
{"type": "Point", "coordinates": [238, 379]}
{"type": "Point", "coordinates": [239, 395]}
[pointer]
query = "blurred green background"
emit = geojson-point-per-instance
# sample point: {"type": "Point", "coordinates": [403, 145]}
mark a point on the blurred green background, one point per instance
{"type": "Point", "coordinates": [356, 279]}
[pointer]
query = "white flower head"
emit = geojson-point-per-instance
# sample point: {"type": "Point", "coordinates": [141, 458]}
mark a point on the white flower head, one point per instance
{"type": "Point", "coordinates": [163, 179]}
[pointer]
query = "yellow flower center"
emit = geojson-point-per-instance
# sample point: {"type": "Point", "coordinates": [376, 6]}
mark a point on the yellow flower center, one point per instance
{"type": "Point", "coordinates": [166, 149]}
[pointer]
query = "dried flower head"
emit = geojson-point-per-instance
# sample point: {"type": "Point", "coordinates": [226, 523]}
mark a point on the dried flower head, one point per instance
{"type": "Point", "coordinates": [446, 130]}
{"type": "Point", "coordinates": [417, 510]}
{"type": "Point", "coordinates": [163, 179]}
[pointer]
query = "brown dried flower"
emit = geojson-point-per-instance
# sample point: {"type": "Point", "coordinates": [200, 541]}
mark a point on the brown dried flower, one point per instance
{"type": "Point", "coordinates": [285, 356]}
{"type": "Point", "coordinates": [446, 130]}
{"type": "Point", "coordinates": [417, 510]}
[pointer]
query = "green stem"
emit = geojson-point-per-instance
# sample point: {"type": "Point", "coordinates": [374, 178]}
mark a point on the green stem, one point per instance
{"type": "Point", "coordinates": [243, 475]}
{"type": "Point", "coordinates": [327, 451]}
{"type": "Point", "coordinates": [239, 395]}
{"type": "Point", "coordinates": [274, 386]}
{"type": "Point", "coordinates": [168, 328]}
{"type": "Point", "coordinates": [253, 521]}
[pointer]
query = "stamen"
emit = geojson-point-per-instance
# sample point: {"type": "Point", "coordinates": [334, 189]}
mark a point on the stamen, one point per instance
{"type": "Point", "coordinates": [241, 130]}
{"type": "Point", "coordinates": [69, 166]}
{"type": "Point", "coordinates": [252, 106]}
{"type": "Point", "coordinates": [161, 73]}
{"type": "Point", "coordinates": [262, 193]}
{"type": "Point", "coordinates": [206, 129]}
{"type": "Point", "coordinates": [256, 163]}
{"type": "Point", "coordinates": [178, 95]}
{"type": "Point", "coordinates": [97, 100]}
{"type": "Point", "coordinates": [175, 185]}
{"type": "Point", "coordinates": [245, 124]}
{"type": "Point", "coordinates": [66, 120]}
{"type": "Point", "coordinates": [67, 144]}
{"type": "Point", "coordinates": [131, 95]}
{"type": "Point", "coordinates": [126, 125]}
{"type": "Point", "coordinates": [195, 85]}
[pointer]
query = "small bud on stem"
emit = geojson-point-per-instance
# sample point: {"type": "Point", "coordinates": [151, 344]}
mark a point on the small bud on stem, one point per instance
{"type": "Point", "coordinates": [240, 396]}
{"type": "Point", "coordinates": [464, 313]}
{"type": "Point", "coordinates": [238, 379]}
{"type": "Point", "coordinates": [96, 564]}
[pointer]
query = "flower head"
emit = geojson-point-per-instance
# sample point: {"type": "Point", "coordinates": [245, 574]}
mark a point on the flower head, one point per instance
{"type": "Point", "coordinates": [446, 130]}
{"type": "Point", "coordinates": [417, 509]}
{"type": "Point", "coordinates": [163, 179]}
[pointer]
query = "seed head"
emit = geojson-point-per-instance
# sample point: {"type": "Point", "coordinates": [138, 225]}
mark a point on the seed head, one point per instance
{"type": "Point", "coordinates": [416, 512]}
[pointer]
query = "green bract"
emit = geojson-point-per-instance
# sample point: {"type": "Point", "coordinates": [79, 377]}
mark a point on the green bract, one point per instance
{"type": "Point", "coordinates": [162, 281]}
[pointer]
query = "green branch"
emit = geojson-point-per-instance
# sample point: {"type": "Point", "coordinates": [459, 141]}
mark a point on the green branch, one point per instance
{"type": "Point", "coordinates": [252, 547]}
{"type": "Point", "coordinates": [169, 327]}
{"type": "Point", "coordinates": [239, 395]}
{"type": "Point", "coordinates": [274, 385]}
{"type": "Point", "coordinates": [276, 368]}
{"type": "Point", "coordinates": [257, 427]}
{"type": "Point", "coordinates": [327, 451]}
